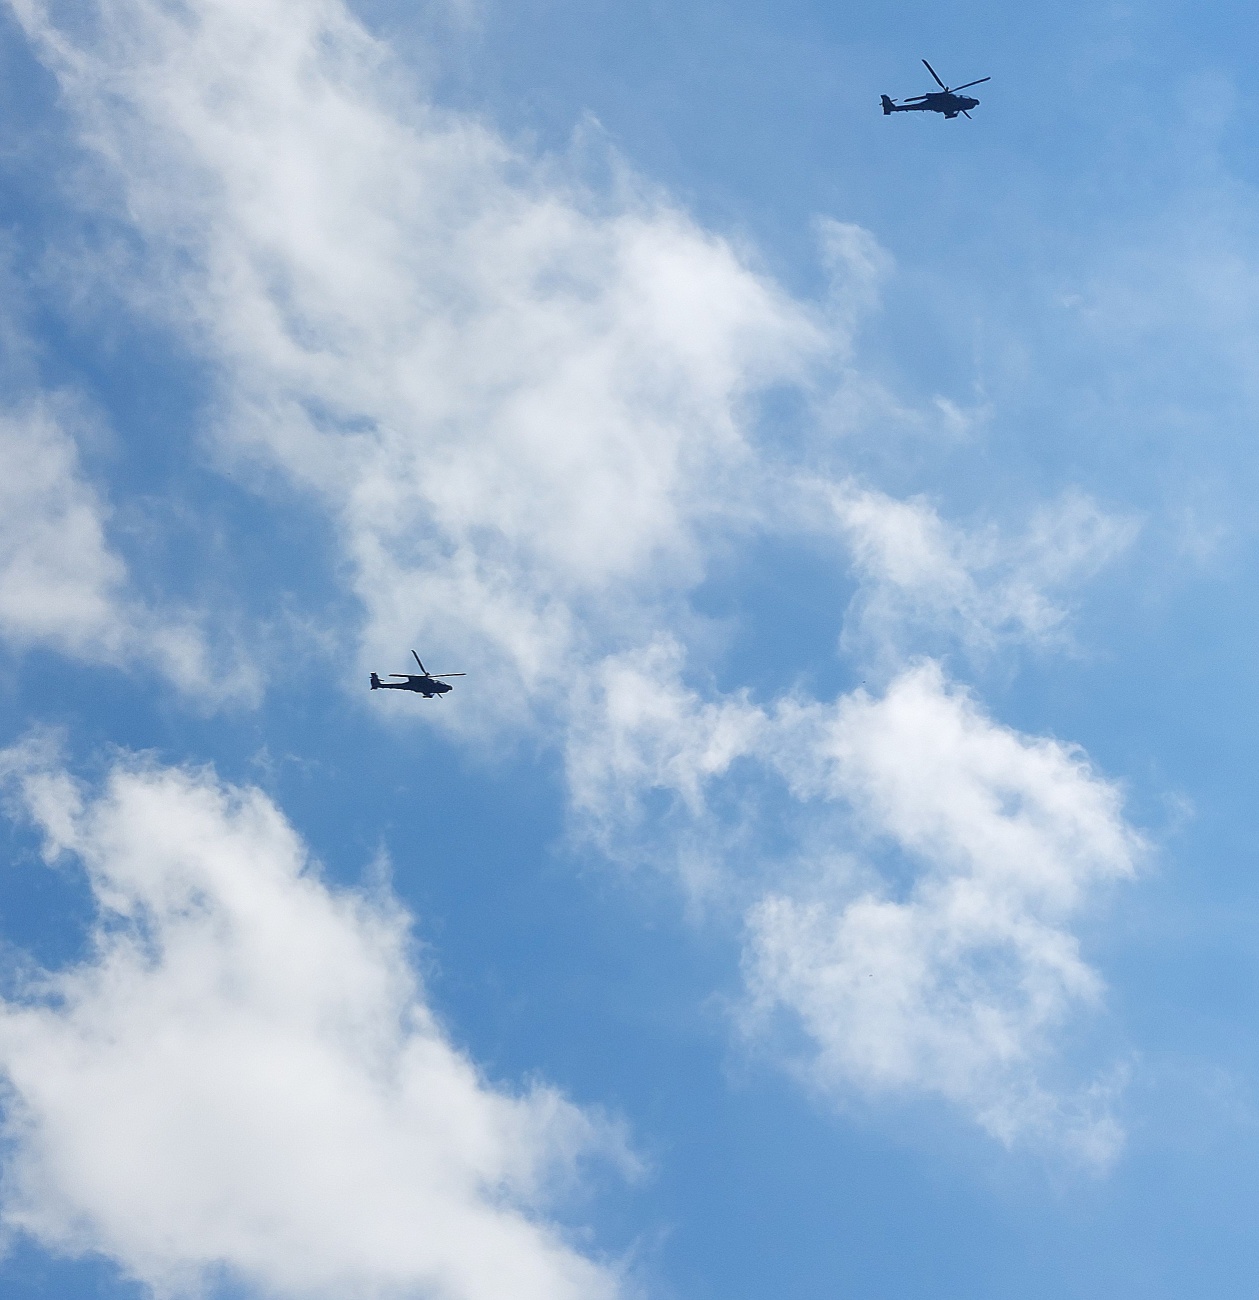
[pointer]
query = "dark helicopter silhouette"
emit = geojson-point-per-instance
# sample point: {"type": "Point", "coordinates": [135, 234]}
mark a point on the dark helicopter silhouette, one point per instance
{"type": "Point", "coordinates": [426, 685]}
{"type": "Point", "coordinates": [944, 100]}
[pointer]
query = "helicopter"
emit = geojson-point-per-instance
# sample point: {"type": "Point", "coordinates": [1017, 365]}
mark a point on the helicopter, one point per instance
{"type": "Point", "coordinates": [426, 685]}
{"type": "Point", "coordinates": [944, 100]}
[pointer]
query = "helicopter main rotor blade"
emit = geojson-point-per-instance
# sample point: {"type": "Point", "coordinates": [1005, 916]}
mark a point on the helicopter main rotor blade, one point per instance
{"type": "Point", "coordinates": [436, 675]}
{"type": "Point", "coordinates": [967, 116]}
{"type": "Point", "coordinates": [417, 660]}
{"type": "Point", "coordinates": [931, 70]}
{"type": "Point", "coordinates": [969, 84]}
{"type": "Point", "coordinates": [913, 99]}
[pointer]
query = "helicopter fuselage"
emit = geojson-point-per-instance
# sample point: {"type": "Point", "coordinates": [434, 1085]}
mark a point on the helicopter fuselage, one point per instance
{"type": "Point", "coordinates": [937, 102]}
{"type": "Point", "coordinates": [424, 686]}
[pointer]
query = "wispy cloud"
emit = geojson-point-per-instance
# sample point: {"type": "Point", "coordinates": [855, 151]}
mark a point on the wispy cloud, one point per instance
{"type": "Point", "coordinates": [63, 586]}
{"type": "Point", "coordinates": [924, 941]}
{"type": "Point", "coordinates": [243, 1078]}
{"type": "Point", "coordinates": [521, 401]}
{"type": "Point", "coordinates": [951, 979]}
{"type": "Point", "coordinates": [923, 578]}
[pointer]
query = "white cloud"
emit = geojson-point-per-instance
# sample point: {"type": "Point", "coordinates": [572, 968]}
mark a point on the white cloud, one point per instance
{"type": "Point", "coordinates": [62, 585]}
{"type": "Point", "coordinates": [955, 982]}
{"type": "Point", "coordinates": [918, 919]}
{"type": "Point", "coordinates": [922, 576]}
{"type": "Point", "coordinates": [243, 1078]}
{"type": "Point", "coordinates": [642, 729]}
{"type": "Point", "coordinates": [637, 731]}
{"type": "Point", "coordinates": [59, 581]}
{"type": "Point", "coordinates": [858, 266]}
{"type": "Point", "coordinates": [522, 402]}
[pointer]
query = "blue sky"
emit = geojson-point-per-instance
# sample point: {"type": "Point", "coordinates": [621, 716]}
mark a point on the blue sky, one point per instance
{"type": "Point", "coordinates": [834, 874]}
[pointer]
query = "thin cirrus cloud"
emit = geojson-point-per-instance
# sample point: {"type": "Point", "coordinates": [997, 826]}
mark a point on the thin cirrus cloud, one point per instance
{"type": "Point", "coordinates": [529, 409]}
{"type": "Point", "coordinates": [922, 578]}
{"type": "Point", "coordinates": [925, 945]}
{"type": "Point", "coordinates": [63, 586]}
{"type": "Point", "coordinates": [243, 1082]}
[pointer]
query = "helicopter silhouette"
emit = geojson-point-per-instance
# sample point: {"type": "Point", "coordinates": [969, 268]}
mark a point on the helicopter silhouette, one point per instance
{"type": "Point", "coordinates": [426, 685]}
{"type": "Point", "coordinates": [944, 100]}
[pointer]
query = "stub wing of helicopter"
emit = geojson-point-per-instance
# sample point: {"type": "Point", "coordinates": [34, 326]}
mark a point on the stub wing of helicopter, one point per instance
{"type": "Point", "coordinates": [429, 685]}
{"type": "Point", "coordinates": [947, 100]}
